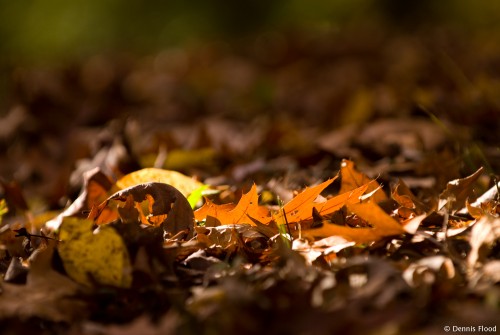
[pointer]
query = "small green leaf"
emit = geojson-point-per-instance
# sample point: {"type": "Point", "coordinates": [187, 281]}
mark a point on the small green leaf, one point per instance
{"type": "Point", "coordinates": [196, 195]}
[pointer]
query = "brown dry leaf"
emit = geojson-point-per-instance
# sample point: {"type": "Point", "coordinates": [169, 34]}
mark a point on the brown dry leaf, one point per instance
{"type": "Point", "coordinates": [352, 179]}
{"type": "Point", "coordinates": [405, 198]}
{"type": "Point", "coordinates": [485, 232]}
{"type": "Point", "coordinates": [162, 200]}
{"type": "Point", "coordinates": [47, 295]}
{"type": "Point", "coordinates": [247, 207]}
{"type": "Point", "coordinates": [458, 190]}
{"type": "Point", "coordinates": [94, 191]}
{"type": "Point", "coordinates": [382, 225]}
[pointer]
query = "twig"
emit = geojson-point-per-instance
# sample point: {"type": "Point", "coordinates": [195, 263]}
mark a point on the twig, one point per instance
{"type": "Point", "coordinates": [23, 232]}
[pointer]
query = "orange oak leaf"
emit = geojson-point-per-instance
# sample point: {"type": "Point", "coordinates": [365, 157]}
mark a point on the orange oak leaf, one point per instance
{"type": "Point", "coordinates": [247, 207]}
{"type": "Point", "coordinates": [301, 206]}
{"type": "Point", "coordinates": [304, 212]}
{"type": "Point", "coordinates": [211, 209]}
{"type": "Point", "coordinates": [352, 179]}
{"type": "Point", "coordinates": [347, 198]}
{"type": "Point", "coordinates": [382, 225]}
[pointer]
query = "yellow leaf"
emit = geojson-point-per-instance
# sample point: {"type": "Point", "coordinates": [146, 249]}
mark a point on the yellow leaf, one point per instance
{"type": "Point", "coordinates": [93, 257]}
{"type": "Point", "coordinates": [183, 183]}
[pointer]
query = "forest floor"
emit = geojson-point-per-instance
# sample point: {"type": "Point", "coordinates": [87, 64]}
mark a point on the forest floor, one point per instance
{"type": "Point", "coordinates": [350, 184]}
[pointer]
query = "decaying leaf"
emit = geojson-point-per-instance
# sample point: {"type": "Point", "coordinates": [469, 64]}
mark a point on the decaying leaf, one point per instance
{"type": "Point", "coordinates": [164, 205]}
{"type": "Point", "coordinates": [94, 191]}
{"type": "Point", "coordinates": [458, 190]}
{"type": "Point", "coordinates": [405, 198]}
{"type": "Point", "coordinates": [47, 294]}
{"type": "Point", "coordinates": [485, 232]}
{"type": "Point", "coordinates": [93, 257]}
{"type": "Point", "coordinates": [428, 270]}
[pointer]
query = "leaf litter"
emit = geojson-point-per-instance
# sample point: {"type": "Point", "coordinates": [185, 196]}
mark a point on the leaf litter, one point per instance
{"type": "Point", "coordinates": [158, 224]}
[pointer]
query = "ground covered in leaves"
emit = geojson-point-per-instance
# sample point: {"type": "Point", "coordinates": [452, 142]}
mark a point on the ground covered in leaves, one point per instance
{"type": "Point", "coordinates": [296, 183]}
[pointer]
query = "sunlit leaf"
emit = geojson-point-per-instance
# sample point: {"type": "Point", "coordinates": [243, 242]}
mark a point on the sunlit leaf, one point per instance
{"type": "Point", "coordinates": [352, 179]}
{"type": "Point", "coordinates": [300, 207]}
{"type": "Point", "coordinates": [196, 195]}
{"type": "Point", "coordinates": [347, 198]}
{"type": "Point", "coordinates": [247, 207]}
{"type": "Point", "coordinates": [3, 209]}
{"type": "Point", "coordinates": [382, 225]}
{"type": "Point", "coordinates": [183, 183]}
{"type": "Point", "coordinates": [90, 257]}
{"type": "Point", "coordinates": [305, 197]}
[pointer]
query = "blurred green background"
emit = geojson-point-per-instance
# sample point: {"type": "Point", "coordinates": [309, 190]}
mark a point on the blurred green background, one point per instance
{"type": "Point", "coordinates": [39, 30]}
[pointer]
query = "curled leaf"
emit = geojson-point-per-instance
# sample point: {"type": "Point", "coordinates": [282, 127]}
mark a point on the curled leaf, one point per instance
{"type": "Point", "coordinates": [458, 190]}
{"type": "Point", "coordinates": [165, 205]}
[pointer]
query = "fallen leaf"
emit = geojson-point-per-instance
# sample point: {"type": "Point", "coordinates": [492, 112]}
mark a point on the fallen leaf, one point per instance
{"type": "Point", "coordinates": [458, 190]}
{"type": "Point", "coordinates": [3, 209]}
{"type": "Point", "coordinates": [195, 196]}
{"type": "Point", "coordinates": [186, 185]}
{"type": "Point", "coordinates": [487, 202]}
{"type": "Point", "coordinates": [98, 256]}
{"type": "Point", "coordinates": [339, 201]}
{"type": "Point", "coordinates": [305, 210]}
{"type": "Point", "coordinates": [165, 205]}
{"type": "Point", "coordinates": [382, 225]}
{"type": "Point", "coordinates": [429, 269]}
{"type": "Point", "coordinates": [247, 207]}
{"type": "Point", "coordinates": [94, 191]}
{"type": "Point", "coordinates": [485, 232]}
{"type": "Point", "coordinates": [300, 207]}
{"type": "Point", "coordinates": [47, 295]}
{"type": "Point", "coordinates": [352, 179]}
{"type": "Point", "coordinates": [405, 198]}
{"type": "Point", "coordinates": [211, 209]}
